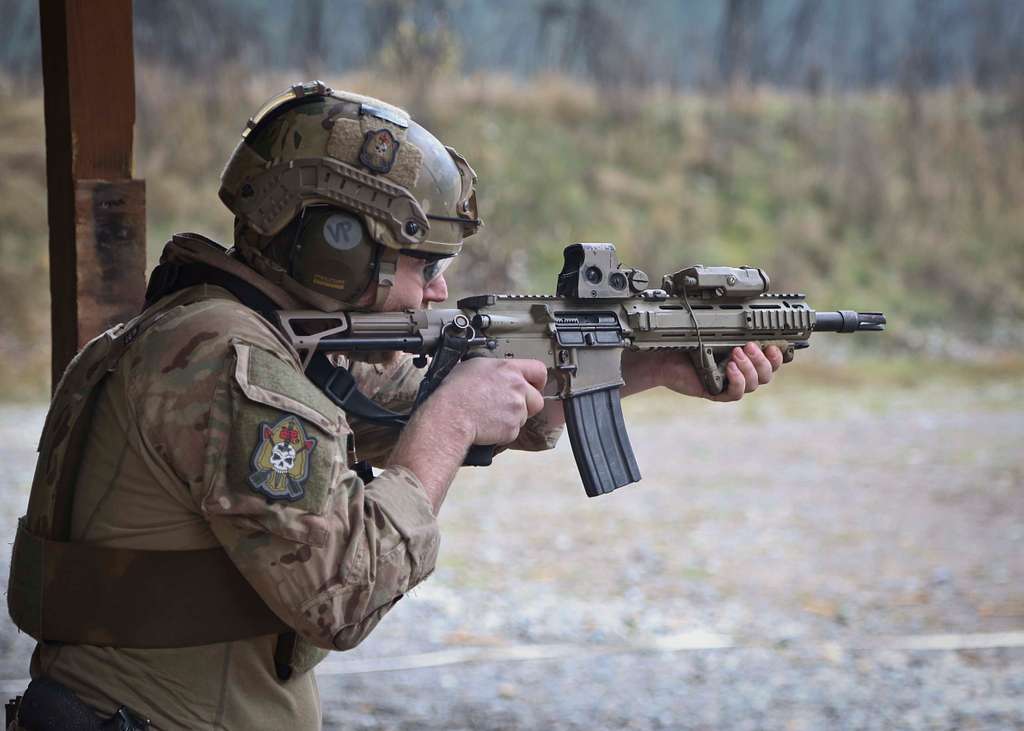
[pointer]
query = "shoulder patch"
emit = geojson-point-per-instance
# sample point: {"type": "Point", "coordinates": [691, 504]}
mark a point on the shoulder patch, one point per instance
{"type": "Point", "coordinates": [280, 461]}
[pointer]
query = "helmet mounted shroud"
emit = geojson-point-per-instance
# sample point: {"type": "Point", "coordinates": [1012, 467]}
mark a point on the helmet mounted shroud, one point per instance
{"type": "Point", "coordinates": [369, 162]}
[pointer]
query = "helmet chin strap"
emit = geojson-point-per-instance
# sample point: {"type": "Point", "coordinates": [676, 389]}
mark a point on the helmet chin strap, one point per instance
{"type": "Point", "coordinates": [387, 270]}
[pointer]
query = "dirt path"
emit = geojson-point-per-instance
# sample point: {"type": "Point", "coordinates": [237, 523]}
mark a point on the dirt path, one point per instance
{"type": "Point", "coordinates": [781, 565]}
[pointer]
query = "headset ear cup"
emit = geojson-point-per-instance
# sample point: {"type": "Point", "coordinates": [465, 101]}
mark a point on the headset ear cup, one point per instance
{"type": "Point", "coordinates": [333, 253]}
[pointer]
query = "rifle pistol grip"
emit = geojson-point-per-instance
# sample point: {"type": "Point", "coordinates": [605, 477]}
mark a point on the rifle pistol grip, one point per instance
{"type": "Point", "coordinates": [479, 455]}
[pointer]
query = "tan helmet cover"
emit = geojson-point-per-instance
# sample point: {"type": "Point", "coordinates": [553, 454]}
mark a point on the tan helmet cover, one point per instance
{"type": "Point", "coordinates": [313, 145]}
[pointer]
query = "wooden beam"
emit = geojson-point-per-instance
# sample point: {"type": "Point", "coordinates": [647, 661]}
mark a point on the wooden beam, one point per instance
{"type": "Point", "coordinates": [96, 210]}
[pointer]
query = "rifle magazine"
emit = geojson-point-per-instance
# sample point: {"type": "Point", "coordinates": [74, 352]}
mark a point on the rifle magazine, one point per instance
{"type": "Point", "coordinates": [599, 441]}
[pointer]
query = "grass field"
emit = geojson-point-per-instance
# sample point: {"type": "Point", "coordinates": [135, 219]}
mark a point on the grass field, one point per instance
{"type": "Point", "coordinates": [873, 201]}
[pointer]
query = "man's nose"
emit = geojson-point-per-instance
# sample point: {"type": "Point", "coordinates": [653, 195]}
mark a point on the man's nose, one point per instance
{"type": "Point", "coordinates": [436, 290]}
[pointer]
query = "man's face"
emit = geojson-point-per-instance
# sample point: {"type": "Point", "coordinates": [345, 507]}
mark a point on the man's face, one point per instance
{"type": "Point", "coordinates": [417, 283]}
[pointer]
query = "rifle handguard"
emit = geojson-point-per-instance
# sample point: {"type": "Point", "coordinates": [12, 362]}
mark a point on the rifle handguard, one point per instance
{"type": "Point", "coordinates": [599, 441]}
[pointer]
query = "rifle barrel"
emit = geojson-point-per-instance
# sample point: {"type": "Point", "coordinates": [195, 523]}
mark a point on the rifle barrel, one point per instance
{"type": "Point", "coordinates": [848, 321]}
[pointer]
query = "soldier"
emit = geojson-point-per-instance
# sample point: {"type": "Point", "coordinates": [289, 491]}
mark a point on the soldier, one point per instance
{"type": "Point", "coordinates": [190, 467]}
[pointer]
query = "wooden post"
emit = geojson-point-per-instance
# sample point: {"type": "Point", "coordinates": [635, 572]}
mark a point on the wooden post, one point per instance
{"type": "Point", "coordinates": [96, 210]}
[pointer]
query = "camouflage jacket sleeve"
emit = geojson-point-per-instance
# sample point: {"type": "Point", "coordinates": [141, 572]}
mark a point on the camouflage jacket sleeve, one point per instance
{"type": "Point", "coordinates": [537, 435]}
{"type": "Point", "coordinates": [329, 554]}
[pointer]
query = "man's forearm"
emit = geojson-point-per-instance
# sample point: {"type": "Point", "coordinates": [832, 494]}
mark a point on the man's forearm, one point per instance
{"type": "Point", "coordinates": [432, 446]}
{"type": "Point", "coordinates": [639, 372]}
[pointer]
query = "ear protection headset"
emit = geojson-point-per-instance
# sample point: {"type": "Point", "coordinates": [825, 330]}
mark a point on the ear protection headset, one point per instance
{"type": "Point", "coordinates": [331, 251]}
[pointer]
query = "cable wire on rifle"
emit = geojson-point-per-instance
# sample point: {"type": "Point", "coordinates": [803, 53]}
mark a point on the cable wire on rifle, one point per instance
{"type": "Point", "coordinates": [696, 327]}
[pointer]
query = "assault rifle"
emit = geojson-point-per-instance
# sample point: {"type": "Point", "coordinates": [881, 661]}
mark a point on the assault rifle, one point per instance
{"type": "Point", "coordinates": [600, 308]}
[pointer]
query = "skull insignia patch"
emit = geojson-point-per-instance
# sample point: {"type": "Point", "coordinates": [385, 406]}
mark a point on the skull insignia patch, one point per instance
{"type": "Point", "coordinates": [281, 459]}
{"type": "Point", "coordinates": [379, 150]}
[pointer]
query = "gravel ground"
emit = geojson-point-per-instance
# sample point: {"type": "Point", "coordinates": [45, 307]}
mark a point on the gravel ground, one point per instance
{"type": "Point", "coordinates": [784, 564]}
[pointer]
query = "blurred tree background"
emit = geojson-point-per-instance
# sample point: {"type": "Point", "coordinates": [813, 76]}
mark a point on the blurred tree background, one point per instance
{"type": "Point", "coordinates": [870, 154]}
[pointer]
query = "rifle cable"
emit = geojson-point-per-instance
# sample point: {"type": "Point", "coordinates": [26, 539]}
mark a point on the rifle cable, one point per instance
{"type": "Point", "coordinates": [696, 325]}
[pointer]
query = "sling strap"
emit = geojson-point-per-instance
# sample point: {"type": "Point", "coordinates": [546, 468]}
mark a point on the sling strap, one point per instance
{"type": "Point", "coordinates": [336, 382]}
{"type": "Point", "coordinates": [452, 349]}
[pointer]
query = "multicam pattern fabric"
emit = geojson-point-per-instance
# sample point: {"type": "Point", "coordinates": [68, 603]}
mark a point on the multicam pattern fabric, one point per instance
{"type": "Point", "coordinates": [175, 433]}
{"type": "Point", "coordinates": [167, 467]}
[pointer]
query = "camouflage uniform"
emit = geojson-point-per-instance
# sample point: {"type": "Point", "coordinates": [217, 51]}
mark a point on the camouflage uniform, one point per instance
{"type": "Point", "coordinates": [208, 433]}
{"type": "Point", "coordinates": [174, 461]}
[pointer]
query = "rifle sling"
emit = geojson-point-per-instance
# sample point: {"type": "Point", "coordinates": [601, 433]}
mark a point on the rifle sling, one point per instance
{"type": "Point", "coordinates": [340, 387]}
{"type": "Point", "coordinates": [336, 382]}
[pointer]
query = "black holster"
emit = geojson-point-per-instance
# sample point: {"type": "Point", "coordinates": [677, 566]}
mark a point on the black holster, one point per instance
{"type": "Point", "coordinates": [49, 706]}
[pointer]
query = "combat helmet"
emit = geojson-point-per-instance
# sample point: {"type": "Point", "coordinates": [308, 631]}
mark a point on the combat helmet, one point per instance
{"type": "Point", "coordinates": [328, 187]}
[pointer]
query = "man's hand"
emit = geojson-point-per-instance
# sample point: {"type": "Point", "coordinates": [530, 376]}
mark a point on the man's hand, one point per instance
{"type": "Point", "coordinates": [748, 368]}
{"type": "Point", "coordinates": [491, 399]}
{"type": "Point", "coordinates": [482, 401]}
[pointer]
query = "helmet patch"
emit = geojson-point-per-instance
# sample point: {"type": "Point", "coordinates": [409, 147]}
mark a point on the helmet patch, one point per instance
{"type": "Point", "coordinates": [281, 459]}
{"type": "Point", "coordinates": [379, 150]}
